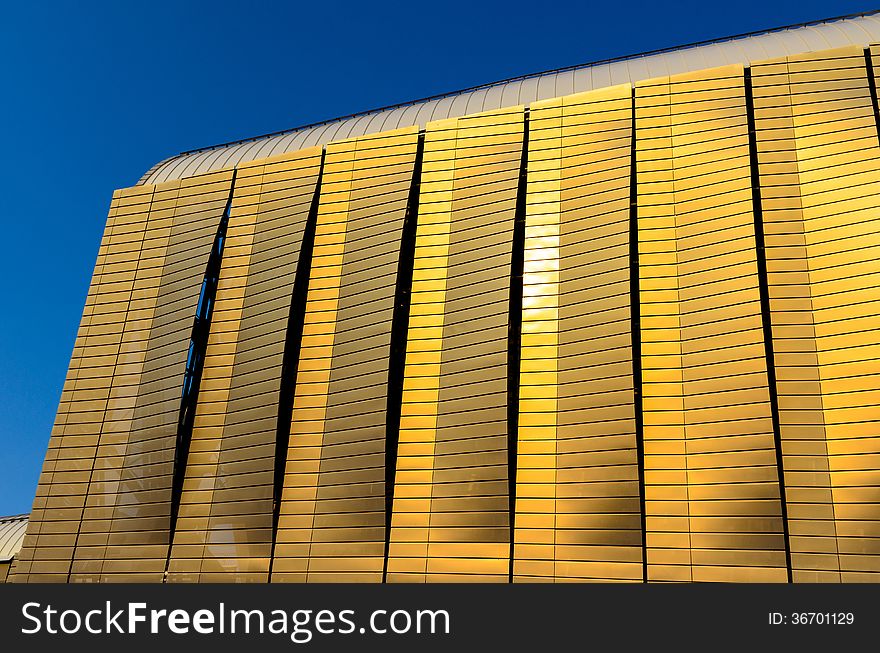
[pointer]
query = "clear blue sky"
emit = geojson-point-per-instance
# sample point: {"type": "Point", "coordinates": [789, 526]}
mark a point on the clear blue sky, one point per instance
{"type": "Point", "coordinates": [94, 93]}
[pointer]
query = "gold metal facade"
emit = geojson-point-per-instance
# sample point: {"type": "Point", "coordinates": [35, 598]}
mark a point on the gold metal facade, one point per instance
{"type": "Point", "coordinates": [451, 504]}
{"type": "Point", "coordinates": [224, 529]}
{"type": "Point", "coordinates": [712, 496]}
{"type": "Point", "coordinates": [637, 331]}
{"type": "Point", "coordinates": [820, 179]}
{"type": "Point", "coordinates": [103, 502]}
{"type": "Point", "coordinates": [332, 521]}
{"type": "Point", "coordinates": [578, 514]}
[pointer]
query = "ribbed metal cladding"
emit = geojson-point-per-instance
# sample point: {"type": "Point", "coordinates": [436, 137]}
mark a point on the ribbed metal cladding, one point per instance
{"type": "Point", "coordinates": [578, 502]}
{"type": "Point", "coordinates": [450, 516]}
{"type": "Point", "coordinates": [712, 500]}
{"type": "Point", "coordinates": [332, 515]}
{"type": "Point", "coordinates": [103, 505]}
{"type": "Point", "coordinates": [819, 163]}
{"type": "Point", "coordinates": [694, 357]}
{"type": "Point", "coordinates": [224, 526]}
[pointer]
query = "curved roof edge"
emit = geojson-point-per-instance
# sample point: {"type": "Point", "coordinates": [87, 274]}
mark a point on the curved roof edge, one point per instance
{"type": "Point", "coordinates": [860, 29]}
{"type": "Point", "coordinates": [12, 531]}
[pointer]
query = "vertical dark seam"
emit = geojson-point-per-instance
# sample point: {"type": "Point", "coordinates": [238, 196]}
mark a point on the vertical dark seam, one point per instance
{"type": "Point", "coordinates": [195, 364]}
{"type": "Point", "coordinates": [763, 287]}
{"type": "Point", "coordinates": [397, 346]}
{"type": "Point", "coordinates": [636, 331]}
{"type": "Point", "coordinates": [872, 88]}
{"type": "Point", "coordinates": [514, 334]}
{"type": "Point", "coordinates": [290, 360]}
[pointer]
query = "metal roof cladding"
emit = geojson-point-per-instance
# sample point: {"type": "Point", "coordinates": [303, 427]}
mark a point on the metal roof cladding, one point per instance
{"type": "Point", "coordinates": [11, 535]}
{"type": "Point", "coordinates": [859, 29]}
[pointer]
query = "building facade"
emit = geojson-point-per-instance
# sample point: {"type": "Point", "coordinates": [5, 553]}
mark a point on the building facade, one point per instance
{"type": "Point", "coordinates": [610, 323]}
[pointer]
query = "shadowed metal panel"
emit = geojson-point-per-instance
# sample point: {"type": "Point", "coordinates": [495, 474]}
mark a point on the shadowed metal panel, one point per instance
{"type": "Point", "coordinates": [450, 513]}
{"type": "Point", "coordinates": [712, 500]}
{"type": "Point", "coordinates": [578, 513]}
{"type": "Point", "coordinates": [88, 397]}
{"type": "Point", "coordinates": [332, 521]}
{"type": "Point", "coordinates": [224, 528]}
{"type": "Point", "coordinates": [127, 496]}
{"type": "Point", "coordinates": [860, 30]}
{"type": "Point", "coordinates": [818, 161]}
{"type": "Point", "coordinates": [117, 424]}
{"type": "Point", "coordinates": [138, 476]}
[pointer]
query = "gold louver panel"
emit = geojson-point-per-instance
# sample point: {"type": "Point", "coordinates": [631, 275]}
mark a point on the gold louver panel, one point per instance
{"type": "Point", "coordinates": [819, 166]}
{"type": "Point", "coordinates": [451, 511]}
{"type": "Point", "coordinates": [712, 502]}
{"type": "Point", "coordinates": [224, 529]}
{"type": "Point", "coordinates": [332, 522]}
{"type": "Point", "coordinates": [106, 485]}
{"type": "Point", "coordinates": [578, 514]}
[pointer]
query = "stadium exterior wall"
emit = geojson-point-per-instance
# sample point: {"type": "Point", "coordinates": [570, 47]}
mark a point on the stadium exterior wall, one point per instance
{"type": "Point", "coordinates": [623, 335]}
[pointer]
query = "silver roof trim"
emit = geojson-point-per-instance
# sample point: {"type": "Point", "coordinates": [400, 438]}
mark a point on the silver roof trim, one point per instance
{"type": "Point", "coordinates": [12, 531]}
{"type": "Point", "coordinates": [861, 29]}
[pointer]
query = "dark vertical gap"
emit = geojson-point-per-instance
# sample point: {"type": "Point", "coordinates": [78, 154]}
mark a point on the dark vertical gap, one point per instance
{"type": "Point", "coordinates": [514, 334]}
{"type": "Point", "coordinates": [636, 332]}
{"type": "Point", "coordinates": [763, 288]}
{"type": "Point", "coordinates": [399, 329]}
{"type": "Point", "coordinates": [290, 361]}
{"type": "Point", "coordinates": [195, 362]}
{"type": "Point", "coordinates": [872, 87]}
